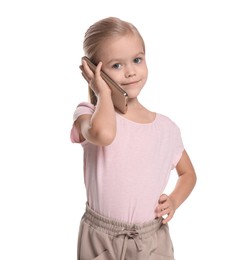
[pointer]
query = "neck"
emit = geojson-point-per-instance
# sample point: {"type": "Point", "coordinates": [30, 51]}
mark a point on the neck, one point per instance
{"type": "Point", "coordinates": [134, 104]}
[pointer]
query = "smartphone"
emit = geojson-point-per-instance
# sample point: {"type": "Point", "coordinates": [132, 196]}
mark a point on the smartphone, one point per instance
{"type": "Point", "coordinates": [119, 96]}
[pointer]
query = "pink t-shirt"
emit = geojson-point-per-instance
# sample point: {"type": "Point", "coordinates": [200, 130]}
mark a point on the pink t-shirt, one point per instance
{"type": "Point", "coordinates": [125, 179]}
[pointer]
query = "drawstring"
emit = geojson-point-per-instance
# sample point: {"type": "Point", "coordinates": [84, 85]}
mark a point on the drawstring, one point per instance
{"type": "Point", "coordinates": [121, 232]}
{"type": "Point", "coordinates": [129, 234]}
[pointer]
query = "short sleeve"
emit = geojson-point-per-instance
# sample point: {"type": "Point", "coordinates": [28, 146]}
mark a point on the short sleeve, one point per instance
{"type": "Point", "coordinates": [83, 108]}
{"type": "Point", "coordinates": [178, 146]}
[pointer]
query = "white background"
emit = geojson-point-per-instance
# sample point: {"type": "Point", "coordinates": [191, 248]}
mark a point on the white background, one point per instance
{"type": "Point", "coordinates": [197, 58]}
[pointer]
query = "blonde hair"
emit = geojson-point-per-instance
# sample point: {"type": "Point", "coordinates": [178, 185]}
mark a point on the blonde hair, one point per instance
{"type": "Point", "coordinates": [98, 33]}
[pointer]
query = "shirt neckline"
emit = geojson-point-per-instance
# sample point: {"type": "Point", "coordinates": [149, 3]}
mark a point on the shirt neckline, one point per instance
{"type": "Point", "coordinates": [137, 123]}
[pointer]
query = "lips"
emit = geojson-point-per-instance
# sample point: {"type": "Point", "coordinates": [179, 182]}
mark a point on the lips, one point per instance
{"type": "Point", "coordinates": [130, 83]}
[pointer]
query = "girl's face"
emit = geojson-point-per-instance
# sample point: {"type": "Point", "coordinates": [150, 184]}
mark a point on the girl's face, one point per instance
{"type": "Point", "coordinates": [124, 61]}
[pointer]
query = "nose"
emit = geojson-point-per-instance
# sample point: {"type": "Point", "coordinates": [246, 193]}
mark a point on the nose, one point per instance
{"type": "Point", "coordinates": [130, 72]}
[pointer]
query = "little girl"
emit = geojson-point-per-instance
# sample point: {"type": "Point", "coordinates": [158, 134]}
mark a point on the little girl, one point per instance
{"type": "Point", "coordinates": [127, 157]}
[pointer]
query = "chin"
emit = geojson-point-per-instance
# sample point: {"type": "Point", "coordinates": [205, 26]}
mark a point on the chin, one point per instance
{"type": "Point", "coordinates": [133, 93]}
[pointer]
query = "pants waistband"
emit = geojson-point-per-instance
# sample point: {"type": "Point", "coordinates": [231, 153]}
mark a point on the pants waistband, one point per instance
{"type": "Point", "coordinates": [117, 228]}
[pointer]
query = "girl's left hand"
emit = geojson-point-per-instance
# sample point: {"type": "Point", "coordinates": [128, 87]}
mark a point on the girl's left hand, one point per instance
{"type": "Point", "coordinates": [165, 207]}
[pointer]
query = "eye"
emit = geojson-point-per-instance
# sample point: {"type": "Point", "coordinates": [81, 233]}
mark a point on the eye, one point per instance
{"type": "Point", "coordinates": [137, 60]}
{"type": "Point", "coordinates": [116, 66]}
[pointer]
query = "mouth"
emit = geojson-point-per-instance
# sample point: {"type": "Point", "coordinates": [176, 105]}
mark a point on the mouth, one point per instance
{"type": "Point", "coordinates": [131, 83]}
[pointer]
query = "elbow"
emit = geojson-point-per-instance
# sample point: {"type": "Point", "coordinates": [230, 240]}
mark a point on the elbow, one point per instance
{"type": "Point", "coordinates": [104, 137]}
{"type": "Point", "coordinates": [193, 179]}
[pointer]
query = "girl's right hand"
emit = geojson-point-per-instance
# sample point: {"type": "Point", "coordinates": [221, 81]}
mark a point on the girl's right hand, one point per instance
{"type": "Point", "coordinates": [95, 81]}
{"type": "Point", "coordinates": [100, 127]}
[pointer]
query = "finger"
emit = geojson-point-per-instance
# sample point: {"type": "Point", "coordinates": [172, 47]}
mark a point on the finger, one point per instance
{"type": "Point", "coordinates": [163, 198]}
{"type": "Point", "coordinates": [85, 76]}
{"type": "Point", "coordinates": [164, 212]}
{"type": "Point", "coordinates": [86, 69]}
{"type": "Point", "coordinates": [167, 219]}
{"type": "Point", "coordinates": [163, 206]}
{"type": "Point", "coordinates": [98, 69]}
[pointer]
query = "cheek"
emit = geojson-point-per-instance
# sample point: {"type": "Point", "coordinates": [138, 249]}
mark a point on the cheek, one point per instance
{"type": "Point", "coordinates": [144, 70]}
{"type": "Point", "coordinates": [145, 75]}
{"type": "Point", "coordinates": [113, 74]}
{"type": "Point", "coordinates": [116, 78]}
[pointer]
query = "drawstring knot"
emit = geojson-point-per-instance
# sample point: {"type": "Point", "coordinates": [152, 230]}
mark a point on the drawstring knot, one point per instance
{"type": "Point", "coordinates": [129, 234]}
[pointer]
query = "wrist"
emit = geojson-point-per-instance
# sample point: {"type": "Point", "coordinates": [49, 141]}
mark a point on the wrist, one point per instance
{"type": "Point", "coordinates": [104, 94]}
{"type": "Point", "coordinates": [174, 201]}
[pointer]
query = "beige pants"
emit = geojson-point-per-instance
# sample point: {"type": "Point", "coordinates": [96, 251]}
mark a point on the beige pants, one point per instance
{"type": "Point", "coordinates": [105, 239]}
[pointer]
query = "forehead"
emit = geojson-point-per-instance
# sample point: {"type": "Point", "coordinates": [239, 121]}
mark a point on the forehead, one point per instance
{"type": "Point", "coordinates": [120, 47]}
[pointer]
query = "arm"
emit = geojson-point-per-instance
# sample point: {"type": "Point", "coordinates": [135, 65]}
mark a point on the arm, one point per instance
{"type": "Point", "coordinates": [183, 188]}
{"type": "Point", "coordinates": [99, 128]}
